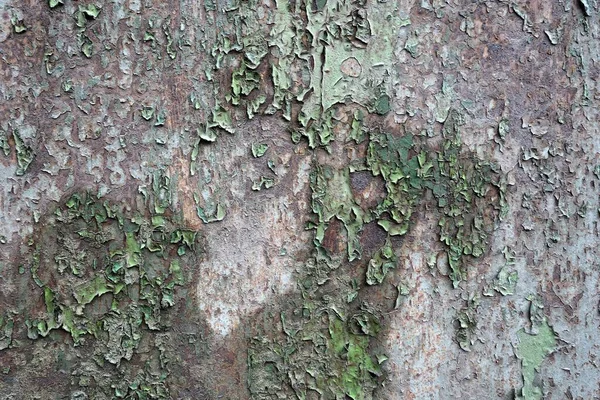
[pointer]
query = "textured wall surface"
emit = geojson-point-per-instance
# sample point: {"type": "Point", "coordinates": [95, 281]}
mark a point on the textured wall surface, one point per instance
{"type": "Point", "coordinates": [329, 199]}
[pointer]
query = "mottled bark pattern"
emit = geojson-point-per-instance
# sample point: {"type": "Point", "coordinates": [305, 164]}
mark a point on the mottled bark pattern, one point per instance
{"type": "Point", "coordinates": [246, 199]}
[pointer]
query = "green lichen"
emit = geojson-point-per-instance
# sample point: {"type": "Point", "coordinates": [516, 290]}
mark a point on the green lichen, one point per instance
{"type": "Point", "coordinates": [212, 213]}
{"type": "Point", "coordinates": [55, 3]}
{"type": "Point", "coordinates": [460, 185]}
{"type": "Point", "coordinates": [170, 48]}
{"type": "Point", "coordinates": [221, 118]}
{"type": "Point", "coordinates": [263, 182]}
{"type": "Point", "coordinates": [357, 129]}
{"type": "Point", "coordinates": [319, 131]}
{"type": "Point", "coordinates": [109, 275]}
{"type": "Point", "coordinates": [259, 149]}
{"type": "Point", "coordinates": [243, 82]}
{"type": "Point", "coordinates": [147, 112]}
{"type": "Point", "coordinates": [332, 198]}
{"type": "Point", "coordinates": [534, 346]}
{"type": "Point", "coordinates": [348, 59]}
{"type": "Point", "coordinates": [84, 14]}
{"type": "Point", "coordinates": [506, 282]}
{"type": "Point", "coordinates": [383, 261]}
{"type": "Point", "coordinates": [6, 330]}
{"type": "Point", "coordinates": [532, 350]}
{"type": "Point", "coordinates": [18, 24]}
{"type": "Point", "coordinates": [25, 154]}
{"type": "Point", "coordinates": [325, 353]}
{"type": "Point", "coordinates": [468, 193]}
{"type": "Point", "coordinates": [253, 105]}
{"type": "Point", "coordinates": [4, 144]}
{"type": "Point", "coordinates": [322, 59]}
{"type": "Point", "coordinates": [467, 324]}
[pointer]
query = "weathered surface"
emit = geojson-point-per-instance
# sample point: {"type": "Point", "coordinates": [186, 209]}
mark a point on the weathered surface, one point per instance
{"type": "Point", "coordinates": [331, 199]}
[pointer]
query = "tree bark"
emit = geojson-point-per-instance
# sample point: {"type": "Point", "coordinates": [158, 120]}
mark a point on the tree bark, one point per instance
{"type": "Point", "coordinates": [267, 200]}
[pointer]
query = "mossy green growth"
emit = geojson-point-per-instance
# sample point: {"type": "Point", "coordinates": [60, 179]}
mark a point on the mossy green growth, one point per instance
{"type": "Point", "coordinates": [243, 82]}
{"type": "Point", "coordinates": [264, 182]}
{"type": "Point", "coordinates": [325, 352]}
{"type": "Point", "coordinates": [161, 191]}
{"type": "Point", "coordinates": [357, 128]}
{"type": "Point", "coordinates": [355, 380]}
{"type": "Point", "coordinates": [18, 24]}
{"type": "Point", "coordinates": [332, 198]}
{"type": "Point", "coordinates": [147, 112]}
{"type": "Point", "coordinates": [382, 105]}
{"type": "Point", "coordinates": [89, 10]}
{"type": "Point", "coordinates": [393, 158]}
{"type": "Point", "coordinates": [4, 144]}
{"type": "Point", "coordinates": [6, 330]}
{"type": "Point", "coordinates": [469, 192]}
{"type": "Point", "coordinates": [323, 54]}
{"type": "Point", "coordinates": [87, 291]}
{"type": "Point", "coordinates": [467, 323]}
{"type": "Point", "coordinates": [25, 154]}
{"type": "Point", "coordinates": [86, 45]}
{"type": "Point", "coordinates": [506, 282]}
{"type": "Point", "coordinates": [84, 13]}
{"type": "Point", "coordinates": [379, 265]}
{"type": "Point", "coordinates": [532, 350]}
{"type": "Point", "coordinates": [253, 105]}
{"type": "Point", "coordinates": [110, 278]}
{"type": "Point", "coordinates": [259, 149]}
{"type": "Point", "coordinates": [99, 251]}
{"type": "Point", "coordinates": [318, 131]}
{"type": "Point", "coordinates": [221, 118]}
{"type": "Point", "coordinates": [55, 3]}
{"type": "Point", "coordinates": [212, 212]}
{"type": "Point", "coordinates": [170, 44]}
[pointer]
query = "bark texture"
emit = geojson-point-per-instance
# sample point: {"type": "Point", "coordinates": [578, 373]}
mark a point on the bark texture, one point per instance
{"type": "Point", "coordinates": [280, 199]}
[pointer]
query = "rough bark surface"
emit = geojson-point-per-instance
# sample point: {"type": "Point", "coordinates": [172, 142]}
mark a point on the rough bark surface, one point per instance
{"type": "Point", "coordinates": [289, 199]}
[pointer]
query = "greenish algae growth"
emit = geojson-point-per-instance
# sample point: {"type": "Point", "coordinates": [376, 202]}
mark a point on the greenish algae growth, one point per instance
{"type": "Point", "coordinates": [87, 11]}
{"type": "Point", "coordinates": [147, 112]}
{"type": "Point", "coordinates": [213, 214]}
{"type": "Point", "coordinates": [243, 82]}
{"type": "Point", "coordinates": [321, 55]}
{"type": "Point", "coordinates": [4, 144]}
{"type": "Point", "coordinates": [6, 330]}
{"type": "Point", "coordinates": [263, 182]}
{"type": "Point", "coordinates": [221, 118]}
{"type": "Point", "coordinates": [332, 198]}
{"type": "Point", "coordinates": [383, 261]}
{"type": "Point", "coordinates": [86, 45]}
{"type": "Point", "coordinates": [18, 24]}
{"type": "Point", "coordinates": [84, 14]}
{"type": "Point", "coordinates": [25, 154]}
{"type": "Point", "coordinates": [319, 133]}
{"type": "Point", "coordinates": [55, 3]}
{"type": "Point", "coordinates": [357, 128]}
{"type": "Point", "coordinates": [259, 149]}
{"type": "Point", "coordinates": [109, 276]}
{"type": "Point", "coordinates": [532, 350]}
{"type": "Point", "coordinates": [506, 282]}
{"type": "Point", "coordinates": [467, 324]}
{"type": "Point", "coordinates": [170, 45]}
{"type": "Point", "coordinates": [347, 58]}
{"type": "Point", "coordinates": [462, 186]}
{"type": "Point", "coordinates": [325, 351]}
